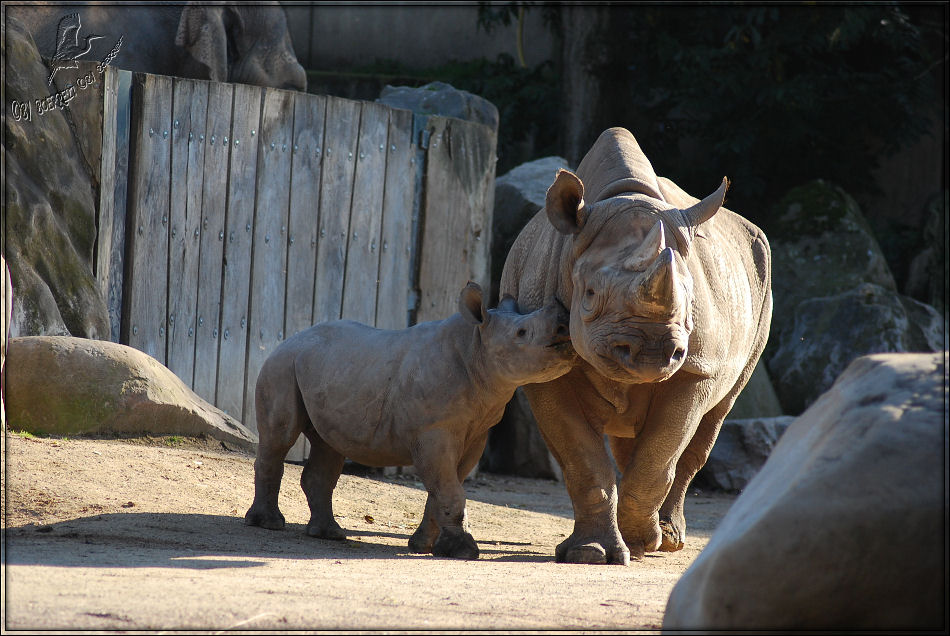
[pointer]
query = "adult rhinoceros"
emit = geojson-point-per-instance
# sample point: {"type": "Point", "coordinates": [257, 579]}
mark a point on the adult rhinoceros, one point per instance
{"type": "Point", "coordinates": [670, 301]}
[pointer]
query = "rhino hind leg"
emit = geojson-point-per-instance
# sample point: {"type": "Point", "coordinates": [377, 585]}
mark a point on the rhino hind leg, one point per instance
{"type": "Point", "coordinates": [318, 480]}
{"type": "Point", "coordinates": [281, 416]}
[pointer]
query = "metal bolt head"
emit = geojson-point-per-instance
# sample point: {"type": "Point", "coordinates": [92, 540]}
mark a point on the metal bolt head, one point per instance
{"type": "Point", "coordinates": [164, 134]}
{"type": "Point", "coordinates": [135, 330]}
{"type": "Point", "coordinates": [227, 333]}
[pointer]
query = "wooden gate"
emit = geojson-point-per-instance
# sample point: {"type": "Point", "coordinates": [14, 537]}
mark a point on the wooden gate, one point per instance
{"type": "Point", "coordinates": [248, 214]}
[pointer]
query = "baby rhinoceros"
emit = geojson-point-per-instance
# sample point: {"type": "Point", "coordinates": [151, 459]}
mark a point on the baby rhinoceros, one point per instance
{"type": "Point", "coordinates": [426, 395]}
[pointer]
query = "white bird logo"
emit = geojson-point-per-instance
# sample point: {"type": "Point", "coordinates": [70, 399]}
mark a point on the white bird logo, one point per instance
{"type": "Point", "coordinates": [68, 49]}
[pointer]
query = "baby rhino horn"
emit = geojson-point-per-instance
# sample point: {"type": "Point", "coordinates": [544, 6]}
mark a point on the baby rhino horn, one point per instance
{"type": "Point", "coordinates": [656, 288]}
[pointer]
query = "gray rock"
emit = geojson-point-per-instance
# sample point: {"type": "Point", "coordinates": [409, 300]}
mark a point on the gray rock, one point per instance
{"type": "Point", "coordinates": [519, 194]}
{"type": "Point", "coordinates": [741, 449]}
{"type": "Point", "coordinates": [439, 98]}
{"type": "Point", "coordinates": [50, 211]}
{"type": "Point", "coordinates": [515, 445]}
{"type": "Point", "coordinates": [829, 333]}
{"type": "Point", "coordinates": [821, 245]}
{"type": "Point", "coordinates": [929, 270]}
{"type": "Point", "coordinates": [758, 397]}
{"type": "Point", "coordinates": [66, 386]}
{"type": "Point", "coordinates": [844, 526]}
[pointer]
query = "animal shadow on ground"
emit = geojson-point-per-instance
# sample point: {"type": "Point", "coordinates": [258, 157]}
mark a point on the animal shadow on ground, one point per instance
{"type": "Point", "coordinates": [202, 542]}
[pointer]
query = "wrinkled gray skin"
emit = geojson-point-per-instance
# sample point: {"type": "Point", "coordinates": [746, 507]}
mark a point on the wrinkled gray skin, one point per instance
{"type": "Point", "coordinates": [670, 301]}
{"type": "Point", "coordinates": [426, 395]}
{"type": "Point", "coordinates": [240, 43]}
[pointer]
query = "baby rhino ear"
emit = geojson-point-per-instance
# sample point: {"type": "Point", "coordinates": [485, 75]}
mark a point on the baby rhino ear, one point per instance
{"type": "Point", "coordinates": [472, 304]}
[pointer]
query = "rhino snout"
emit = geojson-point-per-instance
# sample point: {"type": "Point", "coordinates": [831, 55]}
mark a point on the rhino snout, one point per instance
{"type": "Point", "coordinates": [646, 357]}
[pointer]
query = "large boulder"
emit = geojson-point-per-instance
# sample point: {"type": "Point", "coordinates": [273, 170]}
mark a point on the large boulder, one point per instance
{"type": "Point", "coordinates": [758, 397]}
{"type": "Point", "coordinates": [844, 526]}
{"type": "Point", "coordinates": [826, 334]}
{"type": "Point", "coordinates": [930, 270]}
{"type": "Point", "coordinates": [821, 245]}
{"type": "Point", "coordinates": [515, 445]}
{"type": "Point", "coordinates": [49, 210]}
{"type": "Point", "coordinates": [66, 386]}
{"type": "Point", "coordinates": [439, 98]}
{"type": "Point", "coordinates": [741, 449]}
{"type": "Point", "coordinates": [519, 194]}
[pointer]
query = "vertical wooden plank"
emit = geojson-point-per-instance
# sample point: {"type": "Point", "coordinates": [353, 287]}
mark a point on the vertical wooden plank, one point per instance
{"type": "Point", "coordinates": [303, 225]}
{"type": "Point", "coordinates": [269, 251]}
{"type": "Point", "coordinates": [336, 192]}
{"type": "Point", "coordinates": [362, 254]}
{"type": "Point", "coordinates": [211, 243]}
{"type": "Point", "coordinates": [147, 269]}
{"type": "Point", "coordinates": [392, 302]}
{"type": "Point", "coordinates": [115, 139]}
{"type": "Point", "coordinates": [188, 118]}
{"type": "Point", "coordinates": [237, 247]}
{"type": "Point", "coordinates": [460, 172]}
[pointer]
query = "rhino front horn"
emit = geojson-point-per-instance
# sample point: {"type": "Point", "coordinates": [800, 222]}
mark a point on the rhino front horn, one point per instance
{"type": "Point", "coordinates": [705, 209]}
{"type": "Point", "coordinates": [657, 289]}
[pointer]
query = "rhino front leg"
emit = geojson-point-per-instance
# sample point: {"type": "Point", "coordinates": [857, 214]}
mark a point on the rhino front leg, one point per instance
{"type": "Point", "coordinates": [650, 469]}
{"type": "Point", "coordinates": [672, 515]}
{"type": "Point", "coordinates": [425, 535]}
{"type": "Point", "coordinates": [320, 476]}
{"type": "Point", "coordinates": [435, 457]}
{"type": "Point", "coordinates": [588, 475]}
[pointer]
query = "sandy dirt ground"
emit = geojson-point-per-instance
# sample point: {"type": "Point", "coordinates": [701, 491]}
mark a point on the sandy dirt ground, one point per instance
{"type": "Point", "coordinates": [149, 534]}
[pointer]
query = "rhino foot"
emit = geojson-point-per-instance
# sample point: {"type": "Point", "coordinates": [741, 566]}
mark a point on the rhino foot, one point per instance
{"type": "Point", "coordinates": [331, 530]}
{"type": "Point", "coordinates": [455, 543]}
{"type": "Point", "coordinates": [420, 545]}
{"type": "Point", "coordinates": [272, 520]}
{"type": "Point", "coordinates": [571, 550]}
{"type": "Point", "coordinates": [673, 537]}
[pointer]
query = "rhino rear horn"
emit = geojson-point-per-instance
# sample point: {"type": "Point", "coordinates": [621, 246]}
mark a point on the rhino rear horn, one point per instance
{"type": "Point", "coordinates": [705, 209]}
{"type": "Point", "coordinates": [656, 290]}
{"type": "Point", "coordinates": [564, 203]}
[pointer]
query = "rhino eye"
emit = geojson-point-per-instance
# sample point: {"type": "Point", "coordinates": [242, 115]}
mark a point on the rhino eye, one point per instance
{"type": "Point", "coordinates": [590, 303]}
{"type": "Point", "coordinates": [522, 332]}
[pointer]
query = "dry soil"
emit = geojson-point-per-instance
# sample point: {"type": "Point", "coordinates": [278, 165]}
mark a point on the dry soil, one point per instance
{"type": "Point", "coordinates": [149, 534]}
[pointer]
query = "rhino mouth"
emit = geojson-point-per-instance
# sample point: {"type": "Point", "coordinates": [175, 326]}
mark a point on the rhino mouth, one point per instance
{"type": "Point", "coordinates": [641, 370]}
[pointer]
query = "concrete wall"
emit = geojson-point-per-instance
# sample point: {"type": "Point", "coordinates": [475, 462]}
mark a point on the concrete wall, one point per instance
{"type": "Point", "coordinates": [338, 37]}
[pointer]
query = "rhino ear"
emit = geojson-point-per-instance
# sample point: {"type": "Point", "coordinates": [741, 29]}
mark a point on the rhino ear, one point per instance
{"type": "Point", "coordinates": [472, 304]}
{"type": "Point", "coordinates": [565, 203]}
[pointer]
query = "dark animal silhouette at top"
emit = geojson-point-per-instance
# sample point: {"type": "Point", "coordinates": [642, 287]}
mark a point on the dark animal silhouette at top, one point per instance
{"type": "Point", "coordinates": [68, 49]}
